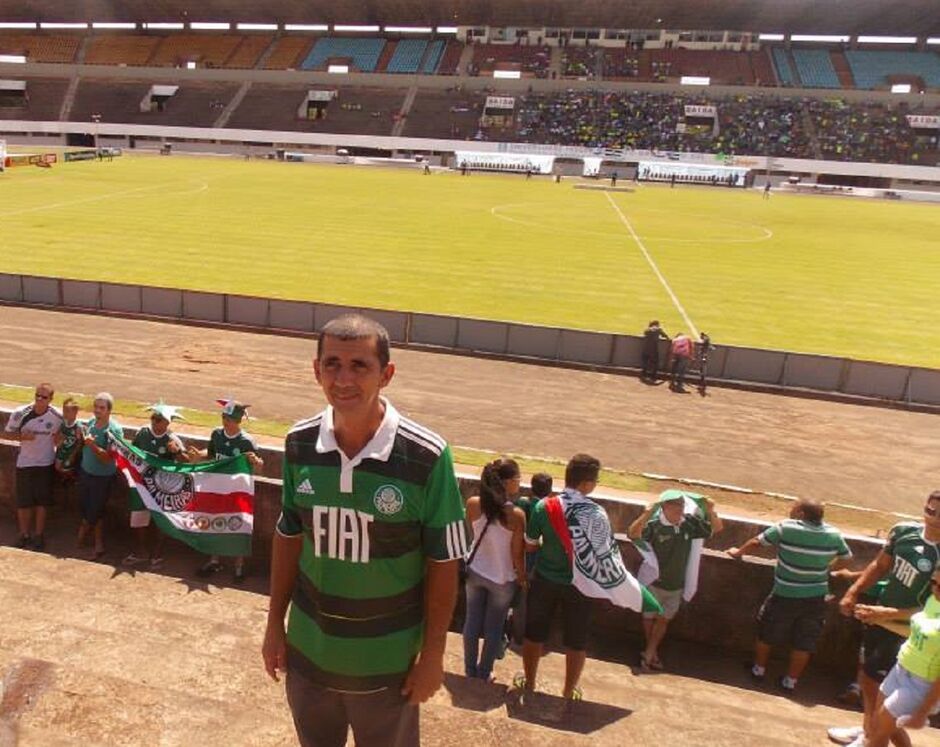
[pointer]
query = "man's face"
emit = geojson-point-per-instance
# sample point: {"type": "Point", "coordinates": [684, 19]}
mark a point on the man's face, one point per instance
{"type": "Point", "coordinates": [230, 424]}
{"type": "Point", "coordinates": [158, 425]}
{"type": "Point", "coordinates": [932, 514]}
{"type": "Point", "coordinates": [100, 409]}
{"type": "Point", "coordinates": [70, 412]}
{"type": "Point", "coordinates": [351, 374]}
{"type": "Point", "coordinates": [42, 399]}
{"type": "Point", "coordinates": [672, 510]}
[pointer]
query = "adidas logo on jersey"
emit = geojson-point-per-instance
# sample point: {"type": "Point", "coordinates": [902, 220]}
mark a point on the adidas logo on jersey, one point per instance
{"type": "Point", "coordinates": [306, 488]}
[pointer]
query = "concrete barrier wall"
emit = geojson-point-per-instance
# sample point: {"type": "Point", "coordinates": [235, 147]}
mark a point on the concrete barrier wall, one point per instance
{"type": "Point", "coordinates": [819, 373]}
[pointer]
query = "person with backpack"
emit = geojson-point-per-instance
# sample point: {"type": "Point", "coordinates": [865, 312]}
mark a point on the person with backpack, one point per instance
{"type": "Point", "coordinates": [495, 565]}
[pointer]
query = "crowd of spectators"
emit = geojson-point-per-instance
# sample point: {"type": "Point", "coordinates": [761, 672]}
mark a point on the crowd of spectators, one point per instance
{"type": "Point", "coordinates": [747, 124]}
{"type": "Point", "coordinates": [870, 132]}
{"type": "Point", "coordinates": [579, 62]}
{"type": "Point", "coordinates": [619, 64]}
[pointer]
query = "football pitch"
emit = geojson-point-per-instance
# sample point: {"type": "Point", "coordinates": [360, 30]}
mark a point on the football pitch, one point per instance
{"type": "Point", "coordinates": [828, 275]}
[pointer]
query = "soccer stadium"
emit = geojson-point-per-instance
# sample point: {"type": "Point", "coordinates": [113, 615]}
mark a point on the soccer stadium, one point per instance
{"type": "Point", "coordinates": [654, 456]}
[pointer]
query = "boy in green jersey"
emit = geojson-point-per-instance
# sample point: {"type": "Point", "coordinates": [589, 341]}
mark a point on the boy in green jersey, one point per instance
{"type": "Point", "coordinates": [68, 441]}
{"type": "Point", "coordinates": [907, 562]}
{"type": "Point", "coordinates": [365, 554]}
{"type": "Point", "coordinates": [229, 441]}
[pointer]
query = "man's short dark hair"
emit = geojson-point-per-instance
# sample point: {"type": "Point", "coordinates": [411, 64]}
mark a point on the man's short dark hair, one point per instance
{"type": "Point", "coordinates": [811, 510]}
{"type": "Point", "coordinates": [541, 484]}
{"type": "Point", "coordinates": [356, 327]}
{"type": "Point", "coordinates": [581, 468]}
{"type": "Point", "coordinates": [934, 496]}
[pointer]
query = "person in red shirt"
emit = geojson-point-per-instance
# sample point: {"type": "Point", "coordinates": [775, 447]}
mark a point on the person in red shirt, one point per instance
{"type": "Point", "coordinates": [681, 354]}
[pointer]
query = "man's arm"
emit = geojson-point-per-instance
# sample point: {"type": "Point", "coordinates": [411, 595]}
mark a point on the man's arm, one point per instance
{"type": "Point", "coordinates": [285, 556]}
{"type": "Point", "coordinates": [748, 547]}
{"type": "Point", "coordinates": [635, 530]}
{"type": "Point", "coordinates": [870, 576]}
{"type": "Point", "coordinates": [712, 515]}
{"type": "Point", "coordinates": [440, 598]}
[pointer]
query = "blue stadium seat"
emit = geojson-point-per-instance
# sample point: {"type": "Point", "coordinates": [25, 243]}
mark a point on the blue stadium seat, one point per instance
{"type": "Point", "coordinates": [870, 68]}
{"type": "Point", "coordinates": [433, 59]}
{"type": "Point", "coordinates": [407, 56]}
{"type": "Point", "coordinates": [364, 52]}
{"type": "Point", "coordinates": [784, 70]}
{"type": "Point", "coordinates": [815, 69]}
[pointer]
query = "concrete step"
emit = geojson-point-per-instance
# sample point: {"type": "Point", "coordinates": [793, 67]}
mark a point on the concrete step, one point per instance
{"type": "Point", "coordinates": [94, 655]}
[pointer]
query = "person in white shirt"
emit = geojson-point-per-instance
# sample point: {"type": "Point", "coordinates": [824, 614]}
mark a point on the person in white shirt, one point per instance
{"type": "Point", "coordinates": [34, 426]}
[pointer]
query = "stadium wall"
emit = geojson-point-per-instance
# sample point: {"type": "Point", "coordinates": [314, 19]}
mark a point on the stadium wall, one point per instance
{"type": "Point", "coordinates": [721, 615]}
{"type": "Point", "coordinates": [753, 367]}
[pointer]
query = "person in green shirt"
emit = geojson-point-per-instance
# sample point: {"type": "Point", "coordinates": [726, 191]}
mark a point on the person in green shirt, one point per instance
{"type": "Point", "coordinates": [68, 441]}
{"type": "Point", "coordinates": [907, 563]}
{"type": "Point", "coordinates": [795, 611]}
{"type": "Point", "coordinates": [670, 530]}
{"type": "Point", "coordinates": [96, 471]}
{"type": "Point", "coordinates": [910, 693]}
{"type": "Point", "coordinates": [229, 441]}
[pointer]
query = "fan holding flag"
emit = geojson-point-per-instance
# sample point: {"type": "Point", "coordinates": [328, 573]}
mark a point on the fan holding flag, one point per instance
{"type": "Point", "coordinates": [670, 535]}
{"type": "Point", "coordinates": [579, 560]}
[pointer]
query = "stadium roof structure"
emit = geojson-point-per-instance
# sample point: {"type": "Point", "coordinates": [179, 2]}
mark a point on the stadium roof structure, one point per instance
{"type": "Point", "coordinates": [907, 17]}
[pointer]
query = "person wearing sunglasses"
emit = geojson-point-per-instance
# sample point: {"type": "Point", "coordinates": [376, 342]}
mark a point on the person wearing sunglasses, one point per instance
{"type": "Point", "coordinates": [907, 562]}
{"type": "Point", "coordinates": [34, 426]}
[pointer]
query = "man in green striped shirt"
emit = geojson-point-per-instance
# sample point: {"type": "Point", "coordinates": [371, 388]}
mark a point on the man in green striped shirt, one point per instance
{"type": "Point", "coordinates": [794, 612]}
{"type": "Point", "coordinates": [366, 552]}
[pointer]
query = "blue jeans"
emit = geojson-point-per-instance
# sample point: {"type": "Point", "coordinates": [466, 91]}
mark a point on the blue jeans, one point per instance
{"type": "Point", "coordinates": [487, 605]}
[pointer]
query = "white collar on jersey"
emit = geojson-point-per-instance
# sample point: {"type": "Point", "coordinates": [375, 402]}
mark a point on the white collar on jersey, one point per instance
{"type": "Point", "coordinates": [380, 447]}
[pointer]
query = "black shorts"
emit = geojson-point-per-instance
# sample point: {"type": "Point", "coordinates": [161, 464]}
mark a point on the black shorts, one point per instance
{"type": "Point", "coordinates": [543, 599]}
{"type": "Point", "coordinates": [93, 495]}
{"type": "Point", "coordinates": [879, 651]}
{"type": "Point", "coordinates": [798, 623]}
{"type": "Point", "coordinates": [34, 486]}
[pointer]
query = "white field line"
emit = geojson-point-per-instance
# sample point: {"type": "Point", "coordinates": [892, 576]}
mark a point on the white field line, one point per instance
{"type": "Point", "coordinates": [68, 203]}
{"type": "Point", "coordinates": [652, 264]}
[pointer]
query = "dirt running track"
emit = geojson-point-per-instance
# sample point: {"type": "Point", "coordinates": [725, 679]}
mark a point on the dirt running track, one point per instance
{"type": "Point", "coordinates": [866, 456]}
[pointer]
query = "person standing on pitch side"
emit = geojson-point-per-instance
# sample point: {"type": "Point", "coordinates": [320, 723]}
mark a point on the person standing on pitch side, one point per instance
{"type": "Point", "coordinates": [651, 337]}
{"type": "Point", "coordinates": [366, 554]}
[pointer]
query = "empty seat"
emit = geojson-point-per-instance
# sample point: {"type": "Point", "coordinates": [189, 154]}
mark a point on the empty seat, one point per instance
{"type": "Point", "coordinates": [407, 56]}
{"type": "Point", "coordinates": [363, 52]}
{"type": "Point", "coordinates": [815, 69]}
{"type": "Point", "coordinates": [433, 57]}
{"type": "Point", "coordinates": [785, 71]}
{"type": "Point", "coordinates": [871, 68]}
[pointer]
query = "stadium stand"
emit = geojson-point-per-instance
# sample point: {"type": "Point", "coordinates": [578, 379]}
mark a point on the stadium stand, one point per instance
{"type": "Point", "coordinates": [870, 132]}
{"type": "Point", "coordinates": [748, 124]}
{"type": "Point", "coordinates": [621, 64]}
{"type": "Point", "coordinates": [729, 68]}
{"type": "Point", "coordinates": [450, 58]}
{"type": "Point", "coordinates": [42, 102]}
{"type": "Point", "coordinates": [362, 52]}
{"type": "Point", "coordinates": [122, 49]}
{"type": "Point", "coordinates": [451, 114]}
{"type": "Point", "coordinates": [579, 62]}
{"type": "Point", "coordinates": [785, 72]}
{"type": "Point", "coordinates": [288, 52]}
{"type": "Point", "coordinates": [762, 68]}
{"type": "Point", "coordinates": [363, 111]}
{"type": "Point", "coordinates": [433, 56]}
{"type": "Point", "coordinates": [843, 71]}
{"type": "Point", "coordinates": [41, 47]}
{"type": "Point", "coordinates": [871, 68]}
{"type": "Point", "coordinates": [407, 57]}
{"type": "Point", "coordinates": [205, 49]}
{"type": "Point", "coordinates": [814, 68]}
{"type": "Point", "coordinates": [387, 51]}
{"type": "Point", "coordinates": [195, 104]}
{"type": "Point", "coordinates": [247, 53]}
{"type": "Point", "coordinates": [533, 60]}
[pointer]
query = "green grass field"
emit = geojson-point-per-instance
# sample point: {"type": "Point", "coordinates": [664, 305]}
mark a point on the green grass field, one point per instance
{"type": "Point", "coordinates": [836, 276]}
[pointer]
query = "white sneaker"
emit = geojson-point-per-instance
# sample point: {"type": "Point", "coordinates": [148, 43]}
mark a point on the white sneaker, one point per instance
{"type": "Point", "coordinates": [860, 742]}
{"type": "Point", "coordinates": [846, 734]}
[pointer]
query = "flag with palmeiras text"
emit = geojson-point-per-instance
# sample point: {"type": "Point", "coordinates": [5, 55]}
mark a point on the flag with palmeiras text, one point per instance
{"type": "Point", "coordinates": [209, 506]}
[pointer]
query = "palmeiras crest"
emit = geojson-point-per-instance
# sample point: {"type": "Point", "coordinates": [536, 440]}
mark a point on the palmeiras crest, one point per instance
{"type": "Point", "coordinates": [595, 554]}
{"type": "Point", "coordinates": [172, 491]}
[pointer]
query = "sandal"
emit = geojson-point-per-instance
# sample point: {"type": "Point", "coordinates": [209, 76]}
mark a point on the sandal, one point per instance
{"type": "Point", "coordinates": [576, 694]}
{"type": "Point", "coordinates": [132, 560]}
{"type": "Point", "coordinates": [156, 563]}
{"type": "Point", "coordinates": [656, 665]}
{"type": "Point", "coordinates": [645, 665]}
{"type": "Point", "coordinates": [209, 568]}
{"type": "Point", "coordinates": [519, 682]}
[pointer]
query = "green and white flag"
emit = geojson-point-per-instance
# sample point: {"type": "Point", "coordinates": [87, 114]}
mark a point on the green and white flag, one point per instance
{"type": "Point", "coordinates": [648, 572]}
{"type": "Point", "coordinates": [209, 506]}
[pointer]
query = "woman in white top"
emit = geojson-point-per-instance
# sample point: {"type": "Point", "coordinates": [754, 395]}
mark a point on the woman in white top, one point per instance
{"type": "Point", "coordinates": [495, 564]}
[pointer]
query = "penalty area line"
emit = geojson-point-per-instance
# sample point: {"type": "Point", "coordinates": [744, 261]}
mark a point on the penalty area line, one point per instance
{"type": "Point", "coordinates": [646, 255]}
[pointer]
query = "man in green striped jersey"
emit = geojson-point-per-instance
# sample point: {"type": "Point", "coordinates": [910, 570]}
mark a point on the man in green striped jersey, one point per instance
{"type": "Point", "coordinates": [794, 612]}
{"type": "Point", "coordinates": [366, 551]}
{"type": "Point", "coordinates": [906, 562]}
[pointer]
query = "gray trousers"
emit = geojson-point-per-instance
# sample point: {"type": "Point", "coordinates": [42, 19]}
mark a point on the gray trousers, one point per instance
{"type": "Point", "coordinates": [323, 717]}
